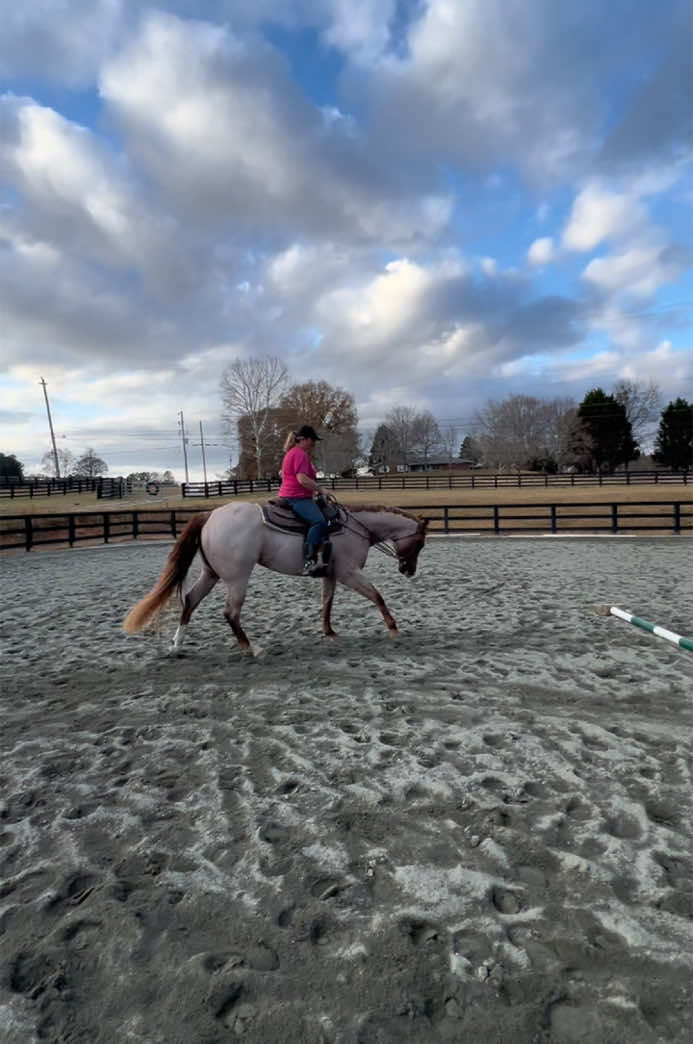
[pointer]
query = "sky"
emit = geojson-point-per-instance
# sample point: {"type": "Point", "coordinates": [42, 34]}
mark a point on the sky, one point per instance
{"type": "Point", "coordinates": [430, 203]}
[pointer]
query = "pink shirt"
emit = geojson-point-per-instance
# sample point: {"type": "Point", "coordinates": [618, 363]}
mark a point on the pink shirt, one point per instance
{"type": "Point", "coordinates": [295, 461]}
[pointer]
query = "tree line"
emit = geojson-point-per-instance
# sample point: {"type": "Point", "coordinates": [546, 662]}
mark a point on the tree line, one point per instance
{"type": "Point", "coordinates": [260, 407]}
{"type": "Point", "coordinates": [603, 432]}
{"type": "Point", "coordinates": [89, 465]}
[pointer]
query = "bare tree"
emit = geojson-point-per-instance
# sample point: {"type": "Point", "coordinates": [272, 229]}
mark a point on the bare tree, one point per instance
{"type": "Point", "coordinates": [251, 389]}
{"type": "Point", "coordinates": [522, 429]}
{"type": "Point", "coordinates": [643, 406]}
{"type": "Point", "coordinates": [332, 411]}
{"type": "Point", "coordinates": [90, 465]}
{"type": "Point", "coordinates": [426, 435]}
{"type": "Point", "coordinates": [400, 420]}
{"type": "Point", "coordinates": [339, 452]}
{"type": "Point", "coordinates": [66, 460]}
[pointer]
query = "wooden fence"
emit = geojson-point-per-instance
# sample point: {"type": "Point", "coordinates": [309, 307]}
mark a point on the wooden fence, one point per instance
{"type": "Point", "coordinates": [468, 480]}
{"type": "Point", "coordinates": [104, 487]}
{"type": "Point", "coordinates": [24, 532]}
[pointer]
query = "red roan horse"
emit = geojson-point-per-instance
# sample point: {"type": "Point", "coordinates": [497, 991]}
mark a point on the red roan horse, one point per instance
{"type": "Point", "coordinates": [233, 539]}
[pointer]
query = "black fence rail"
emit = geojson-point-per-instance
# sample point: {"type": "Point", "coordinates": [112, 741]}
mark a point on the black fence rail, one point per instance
{"type": "Point", "coordinates": [24, 532]}
{"type": "Point", "coordinates": [467, 480]}
{"type": "Point", "coordinates": [103, 487]}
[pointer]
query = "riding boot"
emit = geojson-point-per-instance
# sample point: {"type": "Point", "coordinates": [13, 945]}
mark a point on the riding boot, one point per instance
{"type": "Point", "coordinates": [316, 560]}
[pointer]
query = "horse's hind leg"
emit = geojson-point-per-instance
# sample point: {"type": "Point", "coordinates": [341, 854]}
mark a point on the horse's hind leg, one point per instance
{"type": "Point", "coordinates": [234, 603]}
{"type": "Point", "coordinates": [356, 581]}
{"type": "Point", "coordinates": [202, 586]}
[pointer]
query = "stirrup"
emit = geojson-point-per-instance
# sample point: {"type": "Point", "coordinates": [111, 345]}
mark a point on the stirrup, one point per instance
{"type": "Point", "coordinates": [314, 567]}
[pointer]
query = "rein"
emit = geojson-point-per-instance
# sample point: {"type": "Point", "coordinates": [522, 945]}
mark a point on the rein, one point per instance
{"type": "Point", "coordinates": [380, 545]}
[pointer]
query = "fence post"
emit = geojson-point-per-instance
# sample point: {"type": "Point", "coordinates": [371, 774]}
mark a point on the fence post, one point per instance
{"type": "Point", "coordinates": [656, 478]}
{"type": "Point", "coordinates": [446, 524]}
{"type": "Point", "coordinates": [677, 517]}
{"type": "Point", "coordinates": [553, 518]}
{"type": "Point", "coordinates": [71, 530]}
{"type": "Point", "coordinates": [135, 527]}
{"type": "Point", "coordinates": [627, 478]}
{"type": "Point", "coordinates": [106, 526]}
{"type": "Point", "coordinates": [28, 532]}
{"type": "Point", "coordinates": [546, 481]}
{"type": "Point", "coordinates": [496, 521]}
{"type": "Point", "coordinates": [173, 523]}
{"type": "Point", "coordinates": [614, 518]}
{"type": "Point", "coordinates": [495, 481]}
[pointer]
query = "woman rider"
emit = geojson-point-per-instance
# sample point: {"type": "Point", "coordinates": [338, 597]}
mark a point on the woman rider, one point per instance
{"type": "Point", "coordinates": [299, 484]}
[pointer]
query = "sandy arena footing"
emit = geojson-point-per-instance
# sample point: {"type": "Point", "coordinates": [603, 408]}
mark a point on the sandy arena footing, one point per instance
{"type": "Point", "coordinates": [479, 832]}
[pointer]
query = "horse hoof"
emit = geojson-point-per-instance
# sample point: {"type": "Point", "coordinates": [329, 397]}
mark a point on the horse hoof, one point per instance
{"type": "Point", "coordinates": [330, 634]}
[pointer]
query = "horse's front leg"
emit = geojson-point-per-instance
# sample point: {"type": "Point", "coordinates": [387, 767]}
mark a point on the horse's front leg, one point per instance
{"type": "Point", "coordinates": [328, 585]}
{"type": "Point", "coordinates": [356, 581]}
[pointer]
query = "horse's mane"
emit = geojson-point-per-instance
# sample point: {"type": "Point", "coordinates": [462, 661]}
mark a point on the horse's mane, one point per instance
{"type": "Point", "coordinates": [355, 508]}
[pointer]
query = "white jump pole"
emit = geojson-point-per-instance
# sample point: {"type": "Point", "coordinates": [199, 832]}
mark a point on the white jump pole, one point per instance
{"type": "Point", "coordinates": [661, 632]}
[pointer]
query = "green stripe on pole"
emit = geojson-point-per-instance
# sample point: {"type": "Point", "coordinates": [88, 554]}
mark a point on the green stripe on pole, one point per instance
{"type": "Point", "coordinates": [661, 632]}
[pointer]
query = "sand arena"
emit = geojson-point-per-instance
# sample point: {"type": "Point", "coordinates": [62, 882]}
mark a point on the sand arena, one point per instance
{"type": "Point", "coordinates": [479, 832]}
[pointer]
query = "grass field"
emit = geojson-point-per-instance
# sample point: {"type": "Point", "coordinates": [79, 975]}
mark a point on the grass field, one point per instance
{"type": "Point", "coordinates": [404, 498]}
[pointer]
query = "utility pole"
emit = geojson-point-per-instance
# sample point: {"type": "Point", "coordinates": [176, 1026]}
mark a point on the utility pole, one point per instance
{"type": "Point", "coordinates": [185, 445]}
{"type": "Point", "coordinates": [204, 462]}
{"type": "Point", "coordinates": [50, 425]}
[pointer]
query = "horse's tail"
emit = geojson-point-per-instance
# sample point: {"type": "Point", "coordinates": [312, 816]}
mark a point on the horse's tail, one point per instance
{"type": "Point", "coordinates": [179, 561]}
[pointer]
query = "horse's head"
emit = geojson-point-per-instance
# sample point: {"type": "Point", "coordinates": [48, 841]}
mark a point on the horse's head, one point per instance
{"type": "Point", "coordinates": [408, 547]}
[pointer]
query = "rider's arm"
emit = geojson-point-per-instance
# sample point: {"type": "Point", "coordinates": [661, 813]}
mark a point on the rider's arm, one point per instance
{"type": "Point", "coordinates": [308, 483]}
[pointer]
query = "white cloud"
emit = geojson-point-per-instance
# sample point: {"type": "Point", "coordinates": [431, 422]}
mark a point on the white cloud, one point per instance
{"type": "Point", "coordinates": [638, 271]}
{"type": "Point", "coordinates": [542, 251]}
{"type": "Point", "coordinates": [218, 123]}
{"type": "Point", "coordinates": [64, 40]}
{"type": "Point", "coordinates": [600, 213]}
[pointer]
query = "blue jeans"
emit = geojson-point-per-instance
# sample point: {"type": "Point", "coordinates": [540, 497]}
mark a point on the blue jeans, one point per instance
{"type": "Point", "coordinates": [306, 508]}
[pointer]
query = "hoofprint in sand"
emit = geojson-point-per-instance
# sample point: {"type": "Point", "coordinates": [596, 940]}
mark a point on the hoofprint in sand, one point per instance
{"type": "Point", "coordinates": [479, 832]}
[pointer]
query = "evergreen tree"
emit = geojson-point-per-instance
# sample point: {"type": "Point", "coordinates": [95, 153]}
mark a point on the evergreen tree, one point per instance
{"type": "Point", "coordinates": [10, 467]}
{"type": "Point", "coordinates": [606, 438]}
{"type": "Point", "coordinates": [471, 450]}
{"type": "Point", "coordinates": [674, 442]}
{"type": "Point", "coordinates": [383, 448]}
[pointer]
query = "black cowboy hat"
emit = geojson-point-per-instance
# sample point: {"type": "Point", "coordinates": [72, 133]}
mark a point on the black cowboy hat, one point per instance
{"type": "Point", "coordinates": [306, 432]}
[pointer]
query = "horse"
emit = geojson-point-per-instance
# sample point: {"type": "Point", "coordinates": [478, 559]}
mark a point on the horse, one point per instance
{"type": "Point", "coordinates": [233, 539]}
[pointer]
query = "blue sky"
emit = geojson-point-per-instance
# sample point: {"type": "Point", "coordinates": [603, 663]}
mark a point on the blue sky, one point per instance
{"type": "Point", "coordinates": [428, 203]}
